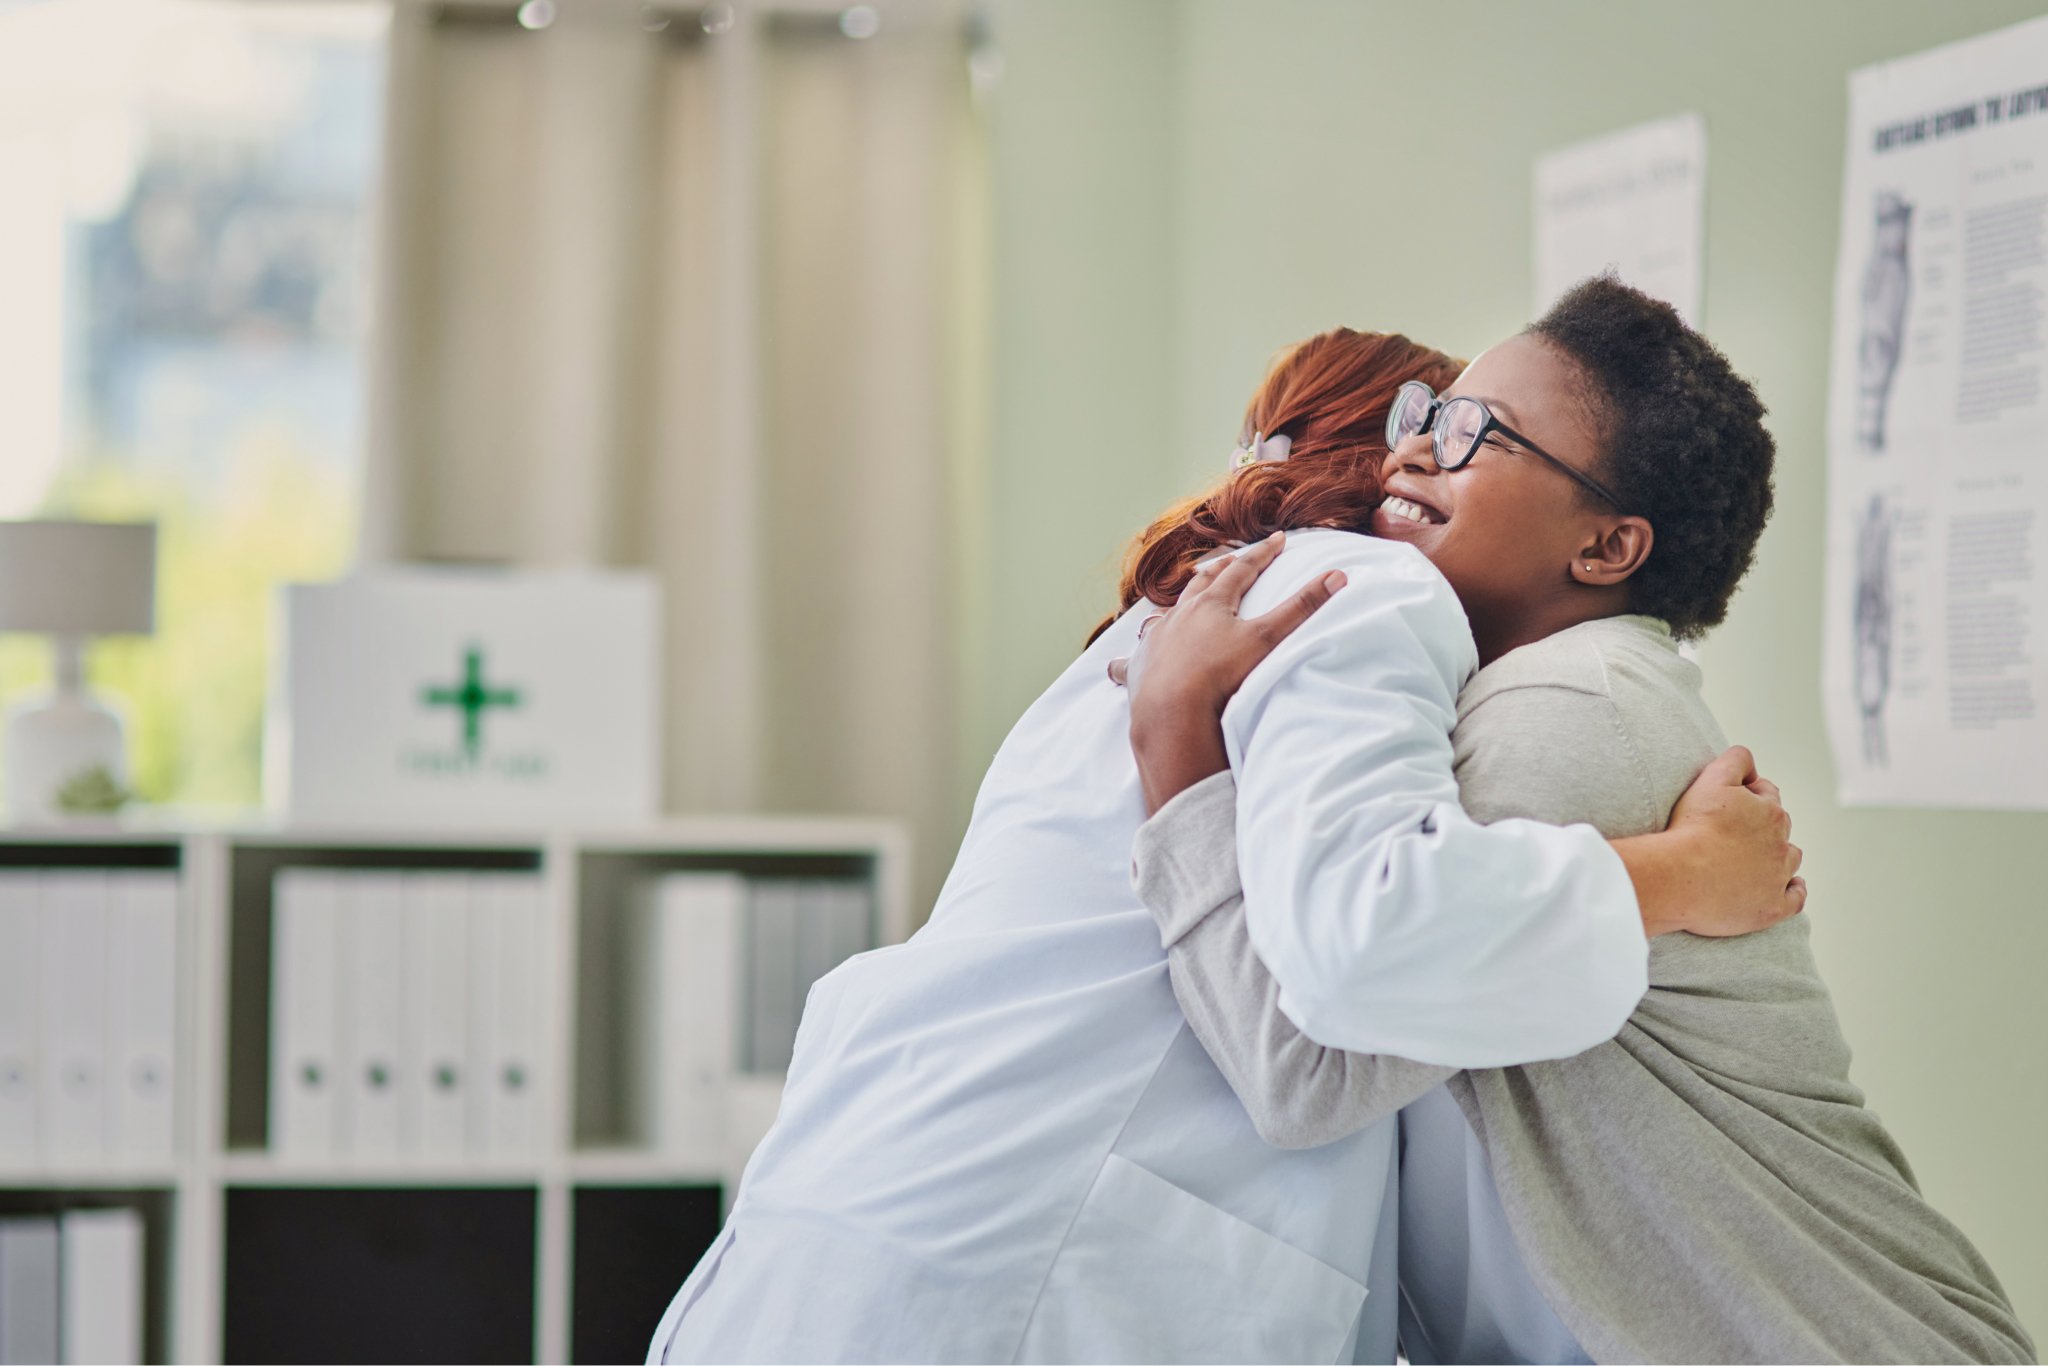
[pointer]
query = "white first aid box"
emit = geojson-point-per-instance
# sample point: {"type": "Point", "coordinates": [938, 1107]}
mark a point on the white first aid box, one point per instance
{"type": "Point", "coordinates": [454, 698]}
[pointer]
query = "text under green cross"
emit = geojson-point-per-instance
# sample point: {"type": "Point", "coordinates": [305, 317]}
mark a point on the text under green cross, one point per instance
{"type": "Point", "coordinates": [473, 697]}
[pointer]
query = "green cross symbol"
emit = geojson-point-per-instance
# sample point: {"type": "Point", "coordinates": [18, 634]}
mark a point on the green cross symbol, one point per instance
{"type": "Point", "coordinates": [473, 697]}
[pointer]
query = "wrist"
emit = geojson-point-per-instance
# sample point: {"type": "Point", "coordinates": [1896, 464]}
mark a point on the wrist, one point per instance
{"type": "Point", "coordinates": [1163, 705]}
{"type": "Point", "coordinates": [1661, 867]}
{"type": "Point", "coordinates": [1176, 747]}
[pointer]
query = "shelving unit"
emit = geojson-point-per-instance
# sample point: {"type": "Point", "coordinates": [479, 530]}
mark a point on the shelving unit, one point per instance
{"type": "Point", "coordinates": [245, 1250]}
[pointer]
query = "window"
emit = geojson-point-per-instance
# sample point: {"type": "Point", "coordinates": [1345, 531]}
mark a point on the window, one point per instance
{"type": "Point", "coordinates": [184, 232]}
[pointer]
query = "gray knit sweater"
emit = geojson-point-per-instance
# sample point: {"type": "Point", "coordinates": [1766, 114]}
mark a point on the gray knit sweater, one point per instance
{"type": "Point", "coordinates": [1706, 1187]}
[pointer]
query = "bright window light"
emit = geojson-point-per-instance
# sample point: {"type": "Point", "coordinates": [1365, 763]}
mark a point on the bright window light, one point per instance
{"type": "Point", "coordinates": [183, 248]}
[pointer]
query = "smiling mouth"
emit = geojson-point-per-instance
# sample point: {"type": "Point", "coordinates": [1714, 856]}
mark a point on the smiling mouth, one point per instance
{"type": "Point", "coordinates": [1396, 506]}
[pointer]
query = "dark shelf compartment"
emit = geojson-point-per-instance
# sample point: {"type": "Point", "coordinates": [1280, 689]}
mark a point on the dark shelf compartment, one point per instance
{"type": "Point", "coordinates": [394, 1275]}
{"type": "Point", "coordinates": [634, 1245]}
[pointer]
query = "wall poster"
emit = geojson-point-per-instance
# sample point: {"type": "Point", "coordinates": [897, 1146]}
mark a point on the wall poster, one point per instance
{"type": "Point", "coordinates": [1936, 617]}
{"type": "Point", "coordinates": [1631, 202]}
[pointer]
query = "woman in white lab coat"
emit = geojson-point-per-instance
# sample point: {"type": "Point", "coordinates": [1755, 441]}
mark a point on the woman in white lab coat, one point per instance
{"type": "Point", "coordinates": [999, 1141]}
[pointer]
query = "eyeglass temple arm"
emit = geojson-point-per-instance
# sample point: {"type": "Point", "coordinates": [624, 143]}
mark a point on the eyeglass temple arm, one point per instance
{"type": "Point", "coordinates": [1585, 481]}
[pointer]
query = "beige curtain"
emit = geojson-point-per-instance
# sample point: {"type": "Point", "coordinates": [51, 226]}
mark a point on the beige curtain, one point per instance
{"type": "Point", "coordinates": [692, 301]}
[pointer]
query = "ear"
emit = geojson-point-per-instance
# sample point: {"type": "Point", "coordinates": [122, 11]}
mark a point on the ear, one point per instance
{"type": "Point", "coordinates": [1617, 549]}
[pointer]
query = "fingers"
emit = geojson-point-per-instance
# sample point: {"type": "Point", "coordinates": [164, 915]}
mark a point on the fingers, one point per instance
{"type": "Point", "coordinates": [1204, 575]}
{"type": "Point", "coordinates": [1794, 857]}
{"type": "Point", "coordinates": [1228, 587]}
{"type": "Point", "coordinates": [1120, 667]}
{"type": "Point", "coordinates": [1795, 897]}
{"type": "Point", "coordinates": [1781, 819]}
{"type": "Point", "coordinates": [1734, 767]}
{"type": "Point", "coordinates": [1279, 623]}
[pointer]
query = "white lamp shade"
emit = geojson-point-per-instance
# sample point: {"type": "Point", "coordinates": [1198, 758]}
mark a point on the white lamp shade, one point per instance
{"type": "Point", "coordinates": [78, 578]}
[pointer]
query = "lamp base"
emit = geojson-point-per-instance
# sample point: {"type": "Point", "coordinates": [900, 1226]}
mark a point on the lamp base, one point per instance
{"type": "Point", "coordinates": [59, 741]}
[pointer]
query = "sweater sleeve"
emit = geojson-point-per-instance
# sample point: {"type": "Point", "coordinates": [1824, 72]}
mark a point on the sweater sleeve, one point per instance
{"type": "Point", "coordinates": [1508, 750]}
{"type": "Point", "coordinates": [1298, 1093]}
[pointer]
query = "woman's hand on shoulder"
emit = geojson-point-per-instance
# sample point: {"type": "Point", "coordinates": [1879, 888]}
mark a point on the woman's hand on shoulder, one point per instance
{"type": "Point", "coordinates": [1726, 865]}
{"type": "Point", "coordinates": [1191, 659]}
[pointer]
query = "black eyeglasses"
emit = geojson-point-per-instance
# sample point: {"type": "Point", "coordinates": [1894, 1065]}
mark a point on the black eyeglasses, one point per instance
{"type": "Point", "coordinates": [1459, 426]}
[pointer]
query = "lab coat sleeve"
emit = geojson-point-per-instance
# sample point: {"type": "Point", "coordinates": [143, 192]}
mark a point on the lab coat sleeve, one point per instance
{"type": "Point", "coordinates": [1392, 922]}
{"type": "Point", "coordinates": [1298, 1093]}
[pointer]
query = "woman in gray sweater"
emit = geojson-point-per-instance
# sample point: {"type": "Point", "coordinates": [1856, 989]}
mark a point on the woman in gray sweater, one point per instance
{"type": "Point", "coordinates": [1706, 1187]}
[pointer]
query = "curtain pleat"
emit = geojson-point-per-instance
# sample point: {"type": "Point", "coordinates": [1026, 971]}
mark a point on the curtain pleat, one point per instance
{"type": "Point", "coordinates": [693, 307]}
{"type": "Point", "coordinates": [856, 256]}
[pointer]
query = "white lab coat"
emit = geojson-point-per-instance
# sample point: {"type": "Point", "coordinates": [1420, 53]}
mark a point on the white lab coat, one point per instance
{"type": "Point", "coordinates": [1000, 1142]}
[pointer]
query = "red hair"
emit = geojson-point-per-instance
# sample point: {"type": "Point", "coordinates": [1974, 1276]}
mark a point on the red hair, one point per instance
{"type": "Point", "coordinates": [1329, 396]}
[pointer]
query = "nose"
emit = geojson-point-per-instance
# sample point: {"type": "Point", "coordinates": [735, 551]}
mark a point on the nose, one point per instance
{"type": "Point", "coordinates": [1411, 453]}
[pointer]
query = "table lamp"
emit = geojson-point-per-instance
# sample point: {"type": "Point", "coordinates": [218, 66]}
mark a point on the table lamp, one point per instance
{"type": "Point", "coordinates": [71, 581]}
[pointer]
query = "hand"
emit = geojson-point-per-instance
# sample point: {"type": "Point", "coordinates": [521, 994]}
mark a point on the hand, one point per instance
{"type": "Point", "coordinates": [1194, 656]}
{"type": "Point", "coordinates": [1198, 652]}
{"type": "Point", "coordinates": [1733, 867]}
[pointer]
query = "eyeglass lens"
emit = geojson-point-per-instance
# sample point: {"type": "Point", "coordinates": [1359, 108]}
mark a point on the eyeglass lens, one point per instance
{"type": "Point", "coordinates": [1458, 427]}
{"type": "Point", "coordinates": [1410, 411]}
{"type": "Point", "coordinates": [1459, 424]}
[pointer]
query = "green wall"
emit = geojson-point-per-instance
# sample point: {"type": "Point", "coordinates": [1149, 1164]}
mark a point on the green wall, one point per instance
{"type": "Point", "coordinates": [1180, 189]}
{"type": "Point", "coordinates": [1081, 133]}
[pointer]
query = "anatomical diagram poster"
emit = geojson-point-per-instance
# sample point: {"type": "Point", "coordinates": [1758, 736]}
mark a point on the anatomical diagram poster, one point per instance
{"type": "Point", "coordinates": [1936, 616]}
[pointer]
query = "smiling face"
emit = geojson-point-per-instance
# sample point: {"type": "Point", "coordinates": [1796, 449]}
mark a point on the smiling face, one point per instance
{"type": "Point", "coordinates": [1527, 551]}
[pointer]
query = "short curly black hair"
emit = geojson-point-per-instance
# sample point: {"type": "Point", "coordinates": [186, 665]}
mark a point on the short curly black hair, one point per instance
{"type": "Point", "coordinates": [1683, 441]}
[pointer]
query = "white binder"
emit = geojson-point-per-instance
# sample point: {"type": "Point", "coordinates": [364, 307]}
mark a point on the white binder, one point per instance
{"type": "Point", "coordinates": [517, 1118]}
{"type": "Point", "coordinates": [372, 957]}
{"type": "Point", "coordinates": [436, 1014]}
{"type": "Point", "coordinates": [20, 1007]}
{"type": "Point", "coordinates": [74, 1015]}
{"type": "Point", "coordinates": [29, 1298]}
{"type": "Point", "coordinates": [142, 1019]}
{"type": "Point", "coordinates": [751, 1104]}
{"type": "Point", "coordinates": [102, 1287]}
{"type": "Point", "coordinates": [486, 923]}
{"type": "Point", "coordinates": [772, 1001]}
{"type": "Point", "coordinates": [853, 920]}
{"type": "Point", "coordinates": [833, 927]}
{"type": "Point", "coordinates": [507, 949]}
{"type": "Point", "coordinates": [305, 932]}
{"type": "Point", "coordinates": [682, 970]}
{"type": "Point", "coordinates": [815, 940]}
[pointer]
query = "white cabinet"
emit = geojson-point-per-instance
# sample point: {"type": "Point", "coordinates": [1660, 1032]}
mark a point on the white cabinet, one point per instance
{"type": "Point", "coordinates": [546, 934]}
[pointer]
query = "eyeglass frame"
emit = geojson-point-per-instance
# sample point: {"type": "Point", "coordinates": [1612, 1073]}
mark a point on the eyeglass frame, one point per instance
{"type": "Point", "coordinates": [1492, 424]}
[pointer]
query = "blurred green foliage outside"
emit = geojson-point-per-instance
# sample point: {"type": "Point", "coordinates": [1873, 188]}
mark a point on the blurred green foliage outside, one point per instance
{"type": "Point", "coordinates": [193, 694]}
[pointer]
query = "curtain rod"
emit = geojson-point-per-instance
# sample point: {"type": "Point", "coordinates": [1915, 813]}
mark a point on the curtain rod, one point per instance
{"type": "Point", "coordinates": [692, 23]}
